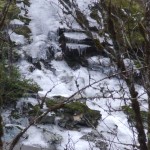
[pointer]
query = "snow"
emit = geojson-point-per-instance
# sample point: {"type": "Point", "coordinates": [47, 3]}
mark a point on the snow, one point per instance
{"type": "Point", "coordinates": [35, 138]}
{"type": "Point", "coordinates": [16, 22]}
{"type": "Point", "coordinates": [45, 18]}
{"type": "Point", "coordinates": [64, 79]}
{"type": "Point", "coordinates": [114, 122]}
{"type": "Point", "coordinates": [80, 36]}
{"type": "Point", "coordinates": [77, 46]}
{"type": "Point", "coordinates": [19, 39]}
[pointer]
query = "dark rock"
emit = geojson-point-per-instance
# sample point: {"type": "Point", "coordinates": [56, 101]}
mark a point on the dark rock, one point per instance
{"type": "Point", "coordinates": [50, 53]}
{"type": "Point", "coordinates": [10, 131]}
{"type": "Point", "coordinates": [102, 145]}
{"type": "Point", "coordinates": [97, 138]}
{"type": "Point", "coordinates": [73, 61]}
{"type": "Point", "coordinates": [66, 123]}
{"type": "Point", "coordinates": [62, 30]}
{"type": "Point", "coordinates": [34, 61]}
{"type": "Point", "coordinates": [24, 19]}
{"type": "Point", "coordinates": [37, 65]}
{"type": "Point", "coordinates": [76, 115]}
{"type": "Point", "coordinates": [49, 119]}
{"type": "Point", "coordinates": [23, 30]}
{"type": "Point", "coordinates": [76, 55]}
{"type": "Point", "coordinates": [31, 68]}
{"type": "Point", "coordinates": [52, 138]}
{"type": "Point", "coordinates": [29, 58]}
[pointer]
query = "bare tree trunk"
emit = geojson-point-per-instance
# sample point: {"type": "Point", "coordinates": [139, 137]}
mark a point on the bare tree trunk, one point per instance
{"type": "Point", "coordinates": [1, 133]}
{"type": "Point", "coordinates": [116, 56]}
{"type": "Point", "coordinates": [146, 76]}
{"type": "Point", "coordinates": [129, 81]}
{"type": "Point", "coordinates": [134, 102]}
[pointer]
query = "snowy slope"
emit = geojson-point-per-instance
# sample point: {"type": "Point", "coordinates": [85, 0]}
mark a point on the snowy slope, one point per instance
{"type": "Point", "coordinates": [46, 17]}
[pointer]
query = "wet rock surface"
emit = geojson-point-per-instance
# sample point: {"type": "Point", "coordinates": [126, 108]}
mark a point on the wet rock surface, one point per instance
{"type": "Point", "coordinates": [76, 50]}
{"type": "Point", "coordinates": [49, 119]}
{"type": "Point", "coordinates": [73, 116]}
{"type": "Point", "coordinates": [97, 138]}
{"type": "Point", "coordinates": [76, 115]}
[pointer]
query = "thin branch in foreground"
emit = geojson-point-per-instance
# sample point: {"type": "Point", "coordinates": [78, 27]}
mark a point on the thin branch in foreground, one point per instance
{"type": "Point", "coordinates": [58, 106]}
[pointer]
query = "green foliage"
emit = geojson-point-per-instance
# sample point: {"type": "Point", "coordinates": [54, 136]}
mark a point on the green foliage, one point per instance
{"type": "Point", "coordinates": [81, 18]}
{"type": "Point", "coordinates": [4, 50]}
{"type": "Point", "coordinates": [24, 30]}
{"type": "Point", "coordinates": [128, 110]}
{"type": "Point", "coordinates": [98, 44]}
{"type": "Point", "coordinates": [76, 107]}
{"type": "Point", "coordinates": [15, 114]}
{"type": "Point", "coordinates": [51, 102]}
{"type": "Point", "coordinates": [94, 14]}
{"type": "Point", "coordinates": [36, 111]}
{"type": "Point", "coordinates": [130, 12]}
{"type": "Point", "coordinates": [54, 100]}
{"type": "Point", "coordinates": [137, 64]}
{"type": "Point", "coordinates": [80, 108]}
{"type": "Point", "coordinates": [132, 5]}
{"type": "Point", "coordinates": [12, 12]}
{"type": "Point", "coordinates": [12, 86]}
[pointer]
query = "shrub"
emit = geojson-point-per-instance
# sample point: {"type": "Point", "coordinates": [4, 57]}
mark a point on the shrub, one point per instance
{"type": "Point", "coordinates": [12, 86]}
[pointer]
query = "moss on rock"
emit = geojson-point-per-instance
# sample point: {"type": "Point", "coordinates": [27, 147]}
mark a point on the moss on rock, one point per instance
{"type": "Point", "coordinates": [24, 30]}
{"type": "Point", "coordinates": [75, 114]}
{"type": "Point", "coordinates": [78, 114]}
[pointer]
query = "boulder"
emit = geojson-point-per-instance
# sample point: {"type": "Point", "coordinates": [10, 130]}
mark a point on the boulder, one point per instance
{"type": "Point", "coordinates": [10, 131]}
{"type": "Point", "coordinates": [48, 119]}
{"type": "Point", "coordinates": [58, 56]}
{"type": "Point", "coordinates": [52, 138]}
{"type": "Point", "coordinates": [76, 46]}
{"type": "Point", "coordinates": [97, 138]}
{"type": "Point", "coordinates": [76, 115]}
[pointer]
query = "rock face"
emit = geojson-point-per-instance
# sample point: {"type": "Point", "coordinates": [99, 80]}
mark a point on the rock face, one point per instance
{"type": "Point", "coordinates": [51, 138]}
{"type": "Point", "coordinates": [49, 119]}
{"type": "Point", "coordinates": [10, 131]}
{"type": "Point", "coordinates": [76, 115]}
{"type": "Point", "coordinates": [76, 46]}
{"type": "Point", "coordinates": [97, 138]}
